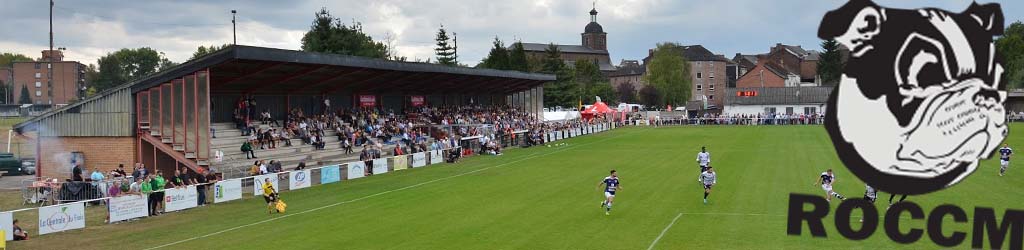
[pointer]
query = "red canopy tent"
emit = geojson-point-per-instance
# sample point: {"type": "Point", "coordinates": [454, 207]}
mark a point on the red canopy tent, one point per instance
{"type": "Point", "coordinates": [599, 108]}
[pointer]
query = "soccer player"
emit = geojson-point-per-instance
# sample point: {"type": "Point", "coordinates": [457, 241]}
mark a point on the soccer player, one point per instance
{"type": "Point", "coordinates": [703, 158]}
{"type": "Point", "coordinates": [1004, 159]}
{"type": "Point", "coordinates": [710, 179]}
{"type": "Point", "coordinates": [826, 180]}
{"type": "Point", "coordinates": [611, 184]}
{"type": "Point", "coordinates": [870, 194]}
{"type": "Point", "coordinates": [903, 197]}
{"type": "Point", "coordinates": [270, 195]}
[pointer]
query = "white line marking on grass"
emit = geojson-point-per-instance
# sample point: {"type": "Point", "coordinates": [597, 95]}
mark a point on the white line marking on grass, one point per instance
{"type": "Point", "coordinates": [663, 231]}
{"type": "Point", "coordinates": [535, 155]}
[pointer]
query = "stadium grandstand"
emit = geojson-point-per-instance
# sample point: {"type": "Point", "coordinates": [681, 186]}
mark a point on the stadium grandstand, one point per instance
{"type": "Point", "coordinates": [199, 114]}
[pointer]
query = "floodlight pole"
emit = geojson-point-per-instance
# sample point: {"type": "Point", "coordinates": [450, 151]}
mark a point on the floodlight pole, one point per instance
{"type": "Point", "coordinates": [234, 31]}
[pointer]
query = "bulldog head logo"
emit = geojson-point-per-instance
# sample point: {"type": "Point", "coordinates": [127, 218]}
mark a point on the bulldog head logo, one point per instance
{"type": "Point", "coordinates": [920, 100]}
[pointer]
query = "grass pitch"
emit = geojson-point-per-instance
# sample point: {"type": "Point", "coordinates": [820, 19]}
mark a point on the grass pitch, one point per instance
{"type": "Point", "coordinates": [546, 198]}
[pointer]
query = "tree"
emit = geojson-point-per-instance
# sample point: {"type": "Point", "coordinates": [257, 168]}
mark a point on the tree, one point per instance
{"type": "Point", "coordinates": [563, 91]}
{"type": "Point", "coordinates": [329, 35]}
{"type": "Point", "coordinates": [497, 58]}
{"type": "Point", "coordinates": [391, 46]}
{"type": "Point", "coordinates": [8, 59]}
{"type": "Point", "coordinates": [626, 92]}
{"type": "Point", "coordinates": [603, 90]}
{"type": "Point", "coordinates": [202, 51]}
{"type": "Point", "coordinates": [830, 67]}
{"type": "Point", "coordinates": [1011, 46]}
{"type": "Point", "coordinates": [25, 97]}
{"type": "Point", "coordinates": [517, 58]}
{"type": "Point", "coordinates": [588, 76]}
{"type": "Point", "coordinates": [669, 73]}
{"type": "Point", "coordinates": [124, 65]}
{"type": "Point", "coordinates": [650, 96]}
{"type": "Point", "coordinates": [445, 51]}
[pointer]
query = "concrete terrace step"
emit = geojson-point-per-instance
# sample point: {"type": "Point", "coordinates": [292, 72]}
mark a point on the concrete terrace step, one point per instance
{"type": "Point", "coordinates": [241, 167]}
{"type": "Point", "coordinates": [236, 142]}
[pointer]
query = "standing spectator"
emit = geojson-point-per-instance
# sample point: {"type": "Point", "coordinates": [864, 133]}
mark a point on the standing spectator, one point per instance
{"type": "Point", "coordinates": [114, 190]}
{"type": "Point", "coordinates": [76, 172]}
{"type": "Point", "coordinates": [146, 188]}
{"type": "Point", "coordinates": [137, 186]}
{"type": "Point", "coordinates": [158, 183]}
{"type": "Point", "coordinates": [19, 234]}
{"type": "Point", "coordinates": [177, 180]}
{"type": "Point", "coordinates": [119, 172]}
{"type": "Point", "coordinates": [96, 175]}
{"type": "Point", "coordinates": [398, 150]}
{"type": "Point", "coordinates": [201, 181]}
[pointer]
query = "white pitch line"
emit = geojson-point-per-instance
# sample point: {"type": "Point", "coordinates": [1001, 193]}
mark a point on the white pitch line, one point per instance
{"type": "Point", "coordinates": [663, 231]}
{"type": "Point", "coordinates": [377, 194]}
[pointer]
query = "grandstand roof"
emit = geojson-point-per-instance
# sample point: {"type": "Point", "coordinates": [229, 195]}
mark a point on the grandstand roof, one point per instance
{"type": "Point", "coordinates": [257, 70]}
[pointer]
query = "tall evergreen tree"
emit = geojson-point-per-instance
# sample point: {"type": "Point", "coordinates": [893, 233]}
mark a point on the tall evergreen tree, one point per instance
{"type": "Point", "coordinates": [445, 51]}
{"type": "Point", "coordinates": [517, 58]}
{"type": "Point", "coordinates": [670, 74]}
{"type": "Point", "coordinates": [589, 78]}
{"type": "Point", "coordinates": [328, 35]}
{"type": "Point", "coordinates": [498, 57]}
{"type": "Point", "coordinates": [25, 97]}
{"type": "Point", "coordinates": [830, 65]}
{"type": "Point", "coordinates": [563, 91]}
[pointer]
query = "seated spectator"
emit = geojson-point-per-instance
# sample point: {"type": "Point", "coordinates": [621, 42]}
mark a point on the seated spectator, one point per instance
{"type": "Point", "coordinates": [19, 234]}
{"type": "Point", "coordinates": [301, 166]}
{"type": "Point", "coordinates": [398, 150]}
{"type": "Point", "coordinates": [247, 149]}
{"type": "Point", "coordinates": [96, 175]}
{"type": "Point", "coordinates": [119, 172]}
{"type": "Point", "coordinates": [255, 169]}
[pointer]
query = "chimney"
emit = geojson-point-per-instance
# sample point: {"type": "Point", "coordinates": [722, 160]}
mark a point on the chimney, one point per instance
{"type": "Point", "coordinates": [650, 52]}
{"type": "Point", "coordinates": [57, 55]}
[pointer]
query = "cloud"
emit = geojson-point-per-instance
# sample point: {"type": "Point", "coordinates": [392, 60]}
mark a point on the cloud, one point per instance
{"type": "Point", "coordinates": [91, 29]}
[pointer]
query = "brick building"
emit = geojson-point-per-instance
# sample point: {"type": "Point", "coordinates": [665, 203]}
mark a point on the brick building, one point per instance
{"type": "Point", "coordinates": [783, 66]}
{"type": "Point", "coordinates": [594, 47]}
{"type": "Point", "coordinates": [64, 85]}
{"type": "Point", "coordinates": [629, 72]}
{"type": "Point", "coordinates": [709, 77]}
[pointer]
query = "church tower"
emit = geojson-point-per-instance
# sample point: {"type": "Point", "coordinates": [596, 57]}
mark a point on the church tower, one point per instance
{"type": "Point", "coordinates": [593, 35]}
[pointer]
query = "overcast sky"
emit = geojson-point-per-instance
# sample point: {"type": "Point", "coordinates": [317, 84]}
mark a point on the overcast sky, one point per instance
{"type": "Point", "coordinates": [92, 28]}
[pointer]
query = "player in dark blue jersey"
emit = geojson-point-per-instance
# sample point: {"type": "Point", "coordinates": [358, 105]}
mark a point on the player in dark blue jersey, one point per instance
{"type": "Point", "coordinates": [826, 179]}
{"type": "Point", "coordinates": [1004, 159]}
{"type": "Point", "coordinates": [611, 184]}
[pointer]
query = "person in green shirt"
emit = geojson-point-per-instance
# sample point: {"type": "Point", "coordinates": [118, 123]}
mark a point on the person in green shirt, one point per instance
{"type": "Point", "coordinates": [158, 183]}
{"type": "Point", "coordinates": [147, 190]}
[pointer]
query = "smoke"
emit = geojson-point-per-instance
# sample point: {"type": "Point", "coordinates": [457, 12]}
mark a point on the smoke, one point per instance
{"type": "Point", "coordinates": [59, 155]}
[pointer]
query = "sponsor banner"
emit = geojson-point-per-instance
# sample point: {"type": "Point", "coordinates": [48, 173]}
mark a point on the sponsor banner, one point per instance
{"type": "Point", "coordinates": [436, 156]}
{"type": "Point", "coordinates": [330, 174]}
{"type": "Point", "coordinates": [380, 166]}
{"type": "Point", "coordinates": [7, 225]}
{"type": "Point", "coordinates": [128, 207]}
{"type": "Point", "coordinates": [180, 198]}
{"type": "Point", "coordinates": [257, 187]}
{"type": "Point", "coordinates": [401, 162]}
{"type": "Point", "coordinates": [227, 190]}
{"type": "Point", "coordinates": [559, 134]}
{"type": "Point", "coordinates": [59, 218]}
{"type": "Point", "coordinates": [356, 170]}
{"type": "Point", "coordinates": [300, 179]}
{"type": "Point", "coordinates": [367, 100]}
{"type": "Point", "coordinates": [419, 159]}
{"type": "Point", "coordinates": [417, 100]}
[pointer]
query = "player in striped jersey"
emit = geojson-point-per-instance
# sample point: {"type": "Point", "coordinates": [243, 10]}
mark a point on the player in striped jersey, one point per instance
{"type": "Point", "coordinates": [611, 184]}
{"type": "Point", "coordinates": [870, 194]}
{"type": "Point", "coordinates": [1004, 159]}
{"type": "Point", "coordinates": [709, 178]}
{"type": "Point", "coordinates": [826, 180]}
